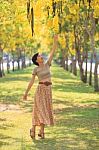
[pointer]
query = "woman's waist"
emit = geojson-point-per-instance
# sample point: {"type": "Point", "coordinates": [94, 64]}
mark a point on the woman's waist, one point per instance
{"type": "Point", "coordinates": [45, 82]}
{"type": "Point", "coordinates": [45, 79]}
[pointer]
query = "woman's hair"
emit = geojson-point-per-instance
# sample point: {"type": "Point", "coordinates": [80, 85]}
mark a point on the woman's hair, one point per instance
{"type": "Point", "coordinates": [34, 58]}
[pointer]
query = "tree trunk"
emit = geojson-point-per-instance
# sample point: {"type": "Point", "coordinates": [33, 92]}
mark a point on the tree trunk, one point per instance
{"type": "Point", "coordinates": [63, 62]}
{"type": "Point", "coordinates": [71, 67]}
{"type": "Point", "coordinates": [13, 69]}
{"type": "Point", "coordinates": [63, 59]}
{"type": "Point", "coordinates": [66, 64]}
{"type": "Point", "coordinates": [90, 75]}
{"type": "Point", "coordinates": [80, 63]}
{"type": "Point", "coordinates": [18, 61]}
{"type": "Point", "coordinates": [18, 57]}
{"type": "Point", "coordinates": [86, 38]}
{"type": "Point", "coordinates": [74, 68]}
{"type": "Point", "coordinates": [82, 76]}
{"type": "Point", "coordinates": [96, 86]}
{"type": "Point", "coordinates": [8, 65]}
{"type": "Point", "coordinates": [86, 58]}
{"type": "Point", "coordinates": [94, 52]}
{"type": "Point", "coordinates": [13, 66]}
{"type": "Point", "coordinates": [3, 69]}
{"type": "Point", "coordinates": [78, 51]}
{"type": "Point", "coordinates": [66, 50]}
{"type": "Point", "coordinates": [23, 61]}
{"type": "Point", "coordinates": [29, 61]}
{"type": "Point", "coordinates": [1, 56]}
{"type": "Point", "coordinates": [91, 33]}
{"type": "Point", "coordinates": [0, 69]}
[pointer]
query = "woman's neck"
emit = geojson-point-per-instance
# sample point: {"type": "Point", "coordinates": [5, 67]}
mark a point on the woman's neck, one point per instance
{"type": "Point", "coordinates": [41, 64]}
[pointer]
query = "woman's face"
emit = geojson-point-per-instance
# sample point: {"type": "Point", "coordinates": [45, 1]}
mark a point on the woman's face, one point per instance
{"type": "Point", "coordinates": [40, 58]}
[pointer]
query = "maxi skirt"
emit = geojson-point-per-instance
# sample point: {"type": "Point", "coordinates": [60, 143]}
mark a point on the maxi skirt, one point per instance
{"type": "Point", "coordinates": [42, 109]}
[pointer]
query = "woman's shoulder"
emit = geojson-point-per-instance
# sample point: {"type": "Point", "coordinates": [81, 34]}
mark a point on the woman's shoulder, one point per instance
{"type": "Point", "coordinates": [48, 63]}
{"type": "Point", "coordinates": [35, 68]}
{"type": "Point", "coordinates": [34, 72]}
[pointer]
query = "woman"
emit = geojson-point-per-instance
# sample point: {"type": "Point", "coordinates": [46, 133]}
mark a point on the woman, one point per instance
{"type": "Point", "coordinates": [42, 110]}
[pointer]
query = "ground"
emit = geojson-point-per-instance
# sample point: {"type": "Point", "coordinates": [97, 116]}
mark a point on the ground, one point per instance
{"type": "Point", "coordinates": [76, 113]}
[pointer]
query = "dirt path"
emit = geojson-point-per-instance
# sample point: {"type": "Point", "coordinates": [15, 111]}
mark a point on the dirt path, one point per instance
{"type": "Point", "coordinates": [9, 107]}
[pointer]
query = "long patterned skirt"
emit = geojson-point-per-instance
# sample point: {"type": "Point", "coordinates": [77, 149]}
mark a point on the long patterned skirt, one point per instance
{"type": "Point", "coordinates": [42, 109]}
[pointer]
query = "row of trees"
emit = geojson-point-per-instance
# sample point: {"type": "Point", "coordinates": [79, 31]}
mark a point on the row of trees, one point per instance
{"type": "Point", "coordinates": [82, 37]}
{"type": "Point", "coordinates": [23, 31]}
{"type": "Point", "coordinates": [15, 34]}
{"type": "Point", "coordinates": [78, 25]}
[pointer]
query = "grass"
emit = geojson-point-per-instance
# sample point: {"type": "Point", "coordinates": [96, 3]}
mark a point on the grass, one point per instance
{"type": "Point", "coordinates": [76, 113]}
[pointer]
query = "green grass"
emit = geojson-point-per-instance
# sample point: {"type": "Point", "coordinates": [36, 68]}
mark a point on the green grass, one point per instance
{"type": "Point", "coordinates": [76, 113]}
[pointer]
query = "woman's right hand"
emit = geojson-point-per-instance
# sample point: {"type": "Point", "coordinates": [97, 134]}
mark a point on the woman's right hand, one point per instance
{"type": "Point", "coordinates": [56, 38]}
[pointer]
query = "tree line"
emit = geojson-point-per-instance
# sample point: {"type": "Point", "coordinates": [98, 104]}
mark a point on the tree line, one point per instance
{"type": "Point", "coordinates": [28, 28]}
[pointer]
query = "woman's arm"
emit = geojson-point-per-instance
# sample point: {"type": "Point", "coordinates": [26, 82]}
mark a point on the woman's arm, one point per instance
{"type": "Point", "coordinates": [29, 87]}
{"type": "Point", "coordinates": [53, 49]}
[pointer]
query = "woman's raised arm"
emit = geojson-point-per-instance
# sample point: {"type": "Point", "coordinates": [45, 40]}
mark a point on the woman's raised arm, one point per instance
{"type": "Point", "coordinates": [53, 49]}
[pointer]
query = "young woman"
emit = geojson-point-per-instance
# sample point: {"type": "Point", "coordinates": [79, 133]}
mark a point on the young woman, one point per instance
{"type": "Point", "coordinates": [42, 109]}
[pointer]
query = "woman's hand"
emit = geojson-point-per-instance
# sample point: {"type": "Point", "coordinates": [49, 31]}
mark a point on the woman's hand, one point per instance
{"type": "Point", "coordinates": [29, 87]}
{"type": "Point", "coordinates": [55, 38]}
{"type": "Point", "coordinates": [25, 97]}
